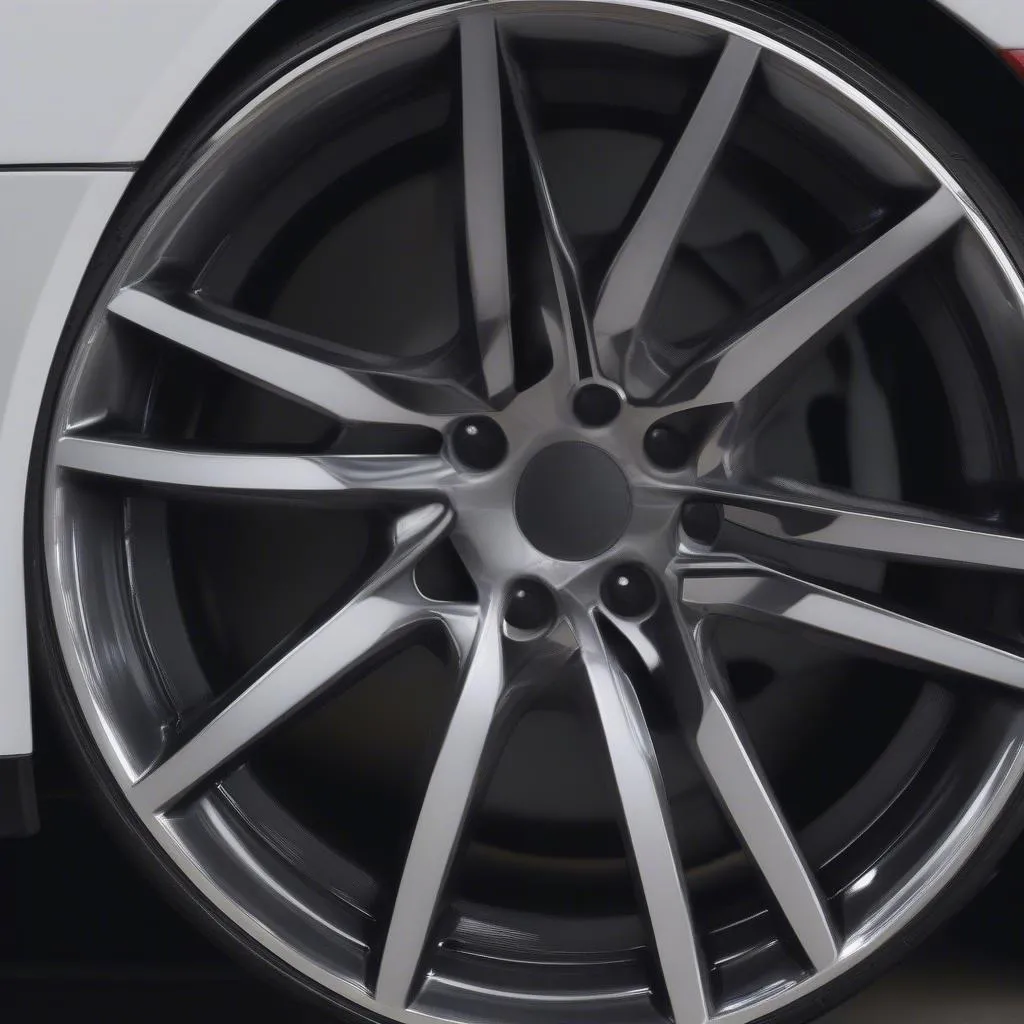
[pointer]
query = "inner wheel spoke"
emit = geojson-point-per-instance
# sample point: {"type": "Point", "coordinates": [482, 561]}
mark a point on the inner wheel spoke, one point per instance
{"type": "Point", "coordinates": [734, 772]}
{"type": "Point", "coordinates": [903, 532]}
{"type": "Point", "coordinates": [344, 394]}
{"type": "Point", "coordinates": [227, 471]}
{"type": "Point", "coordinates": [443, 814]}
{"type": "Point", "coordinates": [643, 258]}
{"type": "Point", "coordinates": [484, 199]}
{"type": "Point", "coordinates": [730, 374]}
{"type": "Point", "coordinates": [766, 594]}
{"type": "Point", "coordinates": [367, 623]}
{"type": "Point", "coordinates": [648, 825]}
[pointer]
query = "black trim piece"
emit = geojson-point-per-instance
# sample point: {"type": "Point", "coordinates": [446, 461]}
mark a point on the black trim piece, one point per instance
{"type": "Point", "coordinates": [70, 167]}
{"type": "Point", "coordinates": [19, 812]}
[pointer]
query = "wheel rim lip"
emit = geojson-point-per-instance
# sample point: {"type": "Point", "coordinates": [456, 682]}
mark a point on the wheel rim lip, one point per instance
{"type": "Point", "coordinates": [905, 903]}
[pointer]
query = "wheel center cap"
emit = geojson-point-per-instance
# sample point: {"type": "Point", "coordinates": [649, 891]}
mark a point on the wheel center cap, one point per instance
{"type": "Point", "coordinates": [573, 501]}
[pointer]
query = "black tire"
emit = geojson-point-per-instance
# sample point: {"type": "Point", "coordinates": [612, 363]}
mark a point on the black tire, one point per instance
{"type": "Point", "coordinates": [171, 156]}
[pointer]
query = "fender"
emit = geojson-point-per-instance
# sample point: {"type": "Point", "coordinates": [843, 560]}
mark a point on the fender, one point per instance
{"type": "Point", "coordinates": [999, 22]}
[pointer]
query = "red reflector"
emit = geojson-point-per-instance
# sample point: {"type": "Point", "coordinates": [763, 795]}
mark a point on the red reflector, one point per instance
{"type": "Point", "coordinates": [1015, 58]}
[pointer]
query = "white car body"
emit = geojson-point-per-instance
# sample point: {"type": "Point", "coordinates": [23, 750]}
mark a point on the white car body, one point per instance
{"type": "Point", "coordinates": [88, 88]}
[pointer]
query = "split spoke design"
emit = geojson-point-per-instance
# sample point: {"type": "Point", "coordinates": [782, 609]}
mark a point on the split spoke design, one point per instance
{"type": "Point", "coordinates": [848, 523]}
{"type": "Point", "coordinates": [344, 394]}
{"type": "Point", "coordinates": [443, 814]}
{"type": "Point", "coordinates": [766, 594]}
{"type": "Point", "coordinates": [577, 358]}
{"type": "Point", "coordinates": [196, 469]}
{"type": "Point", "coordinates": [648, 825]}
{"type": "Point", "coordinates": [678, 644]}
{"type": "Point", "coordinates": [727, 376]}
{"type": "Point", "coordinates": [371, 620]}
{"type": "Point", "coordinates": [733, 770]}
{"type": "Point", "coordinates": [641, 263]}
{"type": "Point", "coordinates": [734, 773]}
{"type": "Point", "coordinates": [484, 198]}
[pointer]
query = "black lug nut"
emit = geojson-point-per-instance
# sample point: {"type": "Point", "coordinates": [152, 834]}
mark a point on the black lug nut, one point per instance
{"type": "Point", "coordinates": [702, 521]}
{"type": "Point", "coordinates": [479, 443]}
{"type": "Point", "coordinates": [596, 405]}
{"type": "Point", "coordinates": [667, 447]}
{"type": "Point", "coordinates": [629, 592]}
{"type": "Point", "coordinates": [531, 607]}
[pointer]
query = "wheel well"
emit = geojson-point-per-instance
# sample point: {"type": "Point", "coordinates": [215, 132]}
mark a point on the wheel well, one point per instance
{"type": "Point", "coordinates": [953, 70]}
{"type": "Point", "coordinates": [983, 100]}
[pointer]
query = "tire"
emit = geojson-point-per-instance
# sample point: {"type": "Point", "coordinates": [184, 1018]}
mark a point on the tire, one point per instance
{"type": "Point", "coordinates": [154, 183]}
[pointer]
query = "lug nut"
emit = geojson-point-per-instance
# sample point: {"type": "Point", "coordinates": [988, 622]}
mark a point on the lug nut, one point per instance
{"type": "Point", "coordinates": [666, 447]}
{"type": "Point", "coordinates": [531, 607]}
{"type": "Point", "coordinates": [596, 405]}
{"type": "Point", "coordinates": [702, 521]}
{"type": "Point", "coordinates": [479, 443]}
{"type": "Point", "coordinates": [629, 592]}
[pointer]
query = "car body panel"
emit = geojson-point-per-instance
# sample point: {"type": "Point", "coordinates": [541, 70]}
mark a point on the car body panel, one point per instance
{"type": "Point", "coordinates": [51, 221]}
{"type": "Point", "coordinates": [111, 75]}
{"type": "Point", "coordinates": [93, 84]}
{"type": "Point", "coordinates": [1000, 22]}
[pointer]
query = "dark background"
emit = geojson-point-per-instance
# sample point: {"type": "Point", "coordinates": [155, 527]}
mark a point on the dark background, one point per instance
{"type": "Point", "coordinates": [84, 938]}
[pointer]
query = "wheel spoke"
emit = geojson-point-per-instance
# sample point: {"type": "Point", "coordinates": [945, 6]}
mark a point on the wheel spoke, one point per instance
{"type": "Point", "coordinates": [899, 532]}
{"type": "Point", "coordinates": [766, 594]}
{"type": "Point", "coordinates": [578, 359]}
{"type": "Point", "coordinates": [365, 625]}
{"type": "Point", "coordinates": [443, 814]}
{"type": "Point", "coordinates": [341, 393]}
{"type": "Point", "coordinates": [226, 471]}
{"type": "Point", "coordinates": [730, 374]}
{"type": "Point", "coordinates": [648, 825]}
{"type": "Point", "coordinates": [484, 198]}
{"type": "Point", "coordinates": [640, 264]}
{"type": "Point", "coordinates": [678, 645]}
{"type": "Point", "coordinates": [734, 772]}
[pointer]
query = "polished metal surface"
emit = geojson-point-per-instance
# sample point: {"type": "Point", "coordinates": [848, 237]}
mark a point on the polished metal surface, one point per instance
{"type": "Point", "coordinates": [484, 177]}
{"type": "Point", "coordinates": [776, 596]}
{"type": "Point", "coordinates": [648, 824]}
{"type": "Point", "coordinates": [370, 619]}
{"type": "Point", "coordinates": [336, 390]}
{"type": "Point", "coordinates": [729, 375]}
{"type": "Point", "coordinates": [732, 766]}
{"type": "Point", "coordinates": [640, 264]}
{"type": "Point", "coordinates": [565, 505]}
{"type": "Point", "coordinates": [445, 807]}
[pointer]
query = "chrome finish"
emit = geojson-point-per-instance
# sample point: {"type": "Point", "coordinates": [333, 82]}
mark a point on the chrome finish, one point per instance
{"type": "Point", "coordinates": [185, 767]}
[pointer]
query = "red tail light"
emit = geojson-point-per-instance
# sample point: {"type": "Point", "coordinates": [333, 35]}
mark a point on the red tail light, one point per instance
{"type": "Point", "coordinates": [1015, 58]}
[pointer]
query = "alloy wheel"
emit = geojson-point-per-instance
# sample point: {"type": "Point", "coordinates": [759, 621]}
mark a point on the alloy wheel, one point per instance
{"type": "Point", "coordinates": [488, 540]}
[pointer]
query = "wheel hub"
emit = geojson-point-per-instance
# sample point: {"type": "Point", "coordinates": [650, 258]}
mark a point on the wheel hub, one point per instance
{"type": "Point", "coordinates": [573, 501]}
